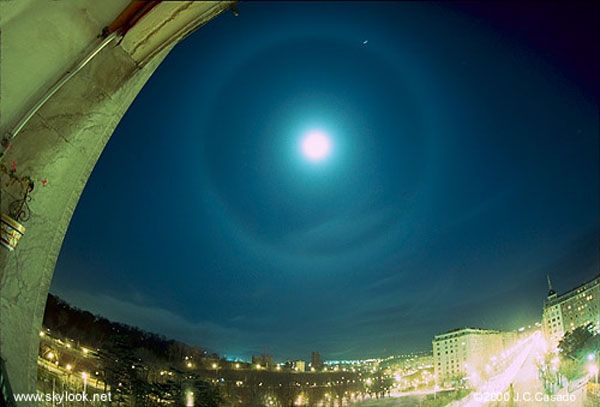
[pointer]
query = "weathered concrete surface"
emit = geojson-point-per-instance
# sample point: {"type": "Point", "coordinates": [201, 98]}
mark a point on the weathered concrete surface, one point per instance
{"type": "Point", "coordinates": [38, 43]}
{"type": "Point", "coordinates": [175, 20]}
{"type": "Point", "coordinates": [61, 144]}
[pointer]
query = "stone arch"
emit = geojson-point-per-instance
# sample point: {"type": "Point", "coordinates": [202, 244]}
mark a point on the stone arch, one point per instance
{"type": "Point", "coordinates": [60, 144]}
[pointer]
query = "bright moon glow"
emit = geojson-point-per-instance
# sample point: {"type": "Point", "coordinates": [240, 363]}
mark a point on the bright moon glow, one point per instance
{"type": "Point", "coordinates": [316, 146]}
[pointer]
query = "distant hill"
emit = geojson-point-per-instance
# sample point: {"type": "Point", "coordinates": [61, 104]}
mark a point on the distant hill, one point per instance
{"type": "Point", "coordinates": [98, 332]}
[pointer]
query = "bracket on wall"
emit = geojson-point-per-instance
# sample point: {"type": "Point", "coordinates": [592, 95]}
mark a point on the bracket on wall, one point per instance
{"type": "Point", "coordinates": [11, 230]}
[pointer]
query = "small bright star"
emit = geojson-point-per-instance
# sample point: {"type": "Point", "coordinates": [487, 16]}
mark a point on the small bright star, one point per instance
{"type": "Point", "coordinates": [316, 146]}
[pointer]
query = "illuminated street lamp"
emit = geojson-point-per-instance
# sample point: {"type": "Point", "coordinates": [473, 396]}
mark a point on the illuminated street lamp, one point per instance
{"type": "Point", "coordinates": [189, 399]}
{"type": "Point", "coordinates": [593, 371]}
{"type": "Point", "coordinates": [84, 376]}
{"type": "Point", "coordinates": [215, 367]}
{"type": "Point", "coordinates": [555, 362]}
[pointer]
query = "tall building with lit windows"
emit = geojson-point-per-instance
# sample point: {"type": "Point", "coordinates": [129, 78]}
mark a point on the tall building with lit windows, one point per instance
{"type": "Point", "coordinates": [458, 353]}
{"type": "Point", "coordinates": [315, 360]}
{"type": "Point", "coordinates": [577, 307]}
{"type": "Point", "coordinates": [299, 366]}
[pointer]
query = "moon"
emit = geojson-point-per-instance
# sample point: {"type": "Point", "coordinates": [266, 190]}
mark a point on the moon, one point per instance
{"type": "Point", "coordinates": [316, 146]}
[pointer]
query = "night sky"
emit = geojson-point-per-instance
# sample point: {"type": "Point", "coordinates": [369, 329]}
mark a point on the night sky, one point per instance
{"type": "Point", "coordinates": [463, 167]}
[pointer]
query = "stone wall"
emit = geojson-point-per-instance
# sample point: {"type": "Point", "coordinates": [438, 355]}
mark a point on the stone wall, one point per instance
{"type": "Point", "coordinates": [60, 145]}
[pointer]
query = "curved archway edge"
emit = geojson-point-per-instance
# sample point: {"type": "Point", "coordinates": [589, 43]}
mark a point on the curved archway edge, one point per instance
{"type": "Point", "coordinates": [61, 144]}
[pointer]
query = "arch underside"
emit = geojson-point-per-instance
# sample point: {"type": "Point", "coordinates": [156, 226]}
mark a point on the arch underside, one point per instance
{"type": "Point", "coordinates": [59, 147]}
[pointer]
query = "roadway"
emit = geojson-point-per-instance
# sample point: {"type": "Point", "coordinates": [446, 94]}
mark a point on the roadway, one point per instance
{"type": "Point", "coordinates": [518, 384]}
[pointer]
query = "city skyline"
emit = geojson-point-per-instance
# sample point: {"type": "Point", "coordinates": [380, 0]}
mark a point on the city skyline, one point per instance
{"type": "Point", "coordinates": [432, 198]}
{"type": "Point", "coordinates": [268, 360]}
